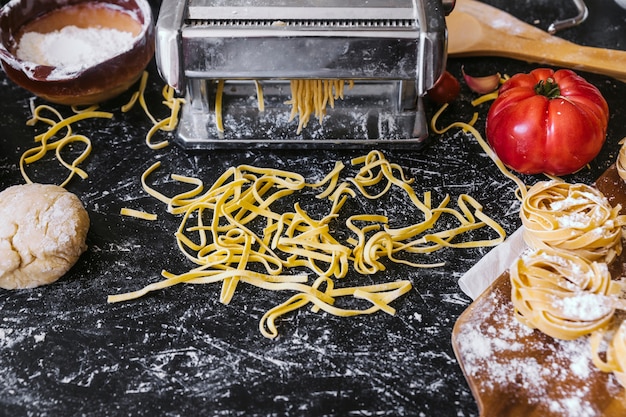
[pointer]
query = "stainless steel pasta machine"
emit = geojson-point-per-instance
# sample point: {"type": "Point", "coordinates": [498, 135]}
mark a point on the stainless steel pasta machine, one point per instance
{"type": "Point", "coordinates": [393, 51]}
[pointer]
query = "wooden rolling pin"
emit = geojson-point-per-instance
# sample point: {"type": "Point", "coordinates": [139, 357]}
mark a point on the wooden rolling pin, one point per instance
{"type": "Point", "coordinates": [478, 29]}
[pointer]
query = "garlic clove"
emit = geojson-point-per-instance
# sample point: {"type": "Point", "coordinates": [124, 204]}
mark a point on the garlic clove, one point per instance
{"type": "Point", "coordinates": [482, 85]}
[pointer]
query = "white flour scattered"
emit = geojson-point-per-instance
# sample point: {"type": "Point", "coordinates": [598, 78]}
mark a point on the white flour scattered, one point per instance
{"type": "Point", "coordinates": [73, 48]}
{"type": "Point", "coordinates": [10, 338]}
{"type": "Point", "coordinates": [559, 383]}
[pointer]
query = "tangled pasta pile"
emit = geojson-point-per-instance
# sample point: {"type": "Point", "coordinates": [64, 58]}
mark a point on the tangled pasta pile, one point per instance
{"type": "Point", "coordinates": [562, 286]}
{"type": "Point", "coordinates": [233, 235]}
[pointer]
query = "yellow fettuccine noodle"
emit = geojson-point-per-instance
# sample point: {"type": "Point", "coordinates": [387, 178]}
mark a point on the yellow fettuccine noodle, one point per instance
{"type": "Point", "coordinates": [233, 235]}
{"type": "Point", "coordinates": [169, 123]}
{"type": "Point", "coordinates": [308, 98]}
{"type": "Point", "coordinates": [312, 98]}
{"type": "Point", "coordinates": [50, 140]}
{"type": "Point", "coordinates": [614, 359]}
{"type": "Point", "coordinates": [620, 163]}
{"type": "Point", "coordinates": [468, 127]}
{"type": "Point", "coordinates": [125, 211]}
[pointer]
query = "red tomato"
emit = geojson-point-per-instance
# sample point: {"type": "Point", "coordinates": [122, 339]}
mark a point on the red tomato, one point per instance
{"type": "Point", "coordinates": [445, 90]}
{"type": "Point", "coordinates": [547, 122]}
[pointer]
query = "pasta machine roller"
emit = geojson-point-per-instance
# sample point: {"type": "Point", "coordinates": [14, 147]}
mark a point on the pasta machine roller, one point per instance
{"type": "Point", "coordinates": [391, 51]}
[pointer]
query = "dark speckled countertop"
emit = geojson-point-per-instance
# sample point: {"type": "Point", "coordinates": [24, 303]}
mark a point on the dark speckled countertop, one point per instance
{"type": "Point", "coordinates": [179, 352]}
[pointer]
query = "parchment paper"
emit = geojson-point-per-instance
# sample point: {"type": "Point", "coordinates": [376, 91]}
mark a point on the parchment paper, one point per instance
{"type": "Point", "coordinates": [492, 265]}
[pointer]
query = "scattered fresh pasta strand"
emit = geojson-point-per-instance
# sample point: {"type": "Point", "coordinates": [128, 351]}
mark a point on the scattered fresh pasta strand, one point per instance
{"type": "Point", "coordinates": [178, 202]}
{"type": "Point", "coordinates": [172, 280]}
{"type": "Point", "coordinates": [485, 98]}
{"type": "Point", "coordinates": [332, 179]}
{"type": "Point", "coordinates": [434, 241]}
{"type": "Point", "coordinates": [267, 324]}
{"type": "Point", "coordinates": [380, 296]}
{"type": "Point", "coordinates": [139, 95]}
{"type": "Point", "coordinates": [340, 196]}
{"type": "Point", "coordinates": [48, 141]}
{"type": "Point", "coordinates": [125, 211]}
{"type": "Point", "coordinates": [229, 284]}
{"type": "Point", "coordinates": [259, 96]}
{"type": "Point", "coordinates": [234, 236]}
{"type": "Point", "coordinates": [614, 360]}
{"type": "Point", "coordinates": [36, 115]}
{"type": "Point", "coordinates": [169, 123]}
{"type": "Point", "coordinates": [219, 122]}
{"type": "Point", "coordinates": [61, 124]}
{"type": "Point", "coordinates": [73, 167]}
{"type": "Point", "coordinates": [159, 126]}
{"type": "Point", "coordinates": [483, 144]}
{"type": "Point", "coordinates": [91, 108]}
{"type": "Point", "coordinates": [203, 276]}
{"type": "Point", "coordinates": [148, 189]}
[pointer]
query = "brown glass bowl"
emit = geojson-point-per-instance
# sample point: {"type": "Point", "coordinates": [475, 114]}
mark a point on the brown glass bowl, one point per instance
{"type": "Point", "coordinates": [90, 85]}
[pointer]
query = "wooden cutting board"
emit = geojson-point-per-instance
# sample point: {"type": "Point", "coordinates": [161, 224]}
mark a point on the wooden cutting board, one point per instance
{"type": "Point", "coordinates": [515, 371]}
{"type": "Point", "coordinates": [478, 29]}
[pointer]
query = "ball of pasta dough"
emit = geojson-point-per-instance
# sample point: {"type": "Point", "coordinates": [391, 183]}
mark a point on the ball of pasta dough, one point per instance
{"type": "Point", "coordinates": [43, 229]}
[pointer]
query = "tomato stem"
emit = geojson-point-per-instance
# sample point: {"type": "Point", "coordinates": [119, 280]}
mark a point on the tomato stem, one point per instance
{"type": "Point", "coordinates": [548, 88]}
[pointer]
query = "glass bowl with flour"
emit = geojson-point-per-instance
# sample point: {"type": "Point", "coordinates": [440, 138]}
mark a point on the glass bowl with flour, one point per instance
{"type": "Point", "coordinates": [76, 52]}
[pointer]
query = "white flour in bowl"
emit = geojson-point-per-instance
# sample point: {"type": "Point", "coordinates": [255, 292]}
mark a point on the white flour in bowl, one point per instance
{"type": "Point", "coordinates": [73, 48]}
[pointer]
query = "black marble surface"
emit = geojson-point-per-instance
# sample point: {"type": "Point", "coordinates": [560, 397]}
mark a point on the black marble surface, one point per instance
{"type": "Point", "coordinates": [64, 351]}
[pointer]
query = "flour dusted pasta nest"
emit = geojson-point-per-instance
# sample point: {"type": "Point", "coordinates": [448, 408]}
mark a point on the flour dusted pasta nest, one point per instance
{"type": "Point", "coordinates": [572, 217]}
{"type": "Point", "coordinates": [43, 229]}
{"type": "Point", "coordinates": [561, 294]}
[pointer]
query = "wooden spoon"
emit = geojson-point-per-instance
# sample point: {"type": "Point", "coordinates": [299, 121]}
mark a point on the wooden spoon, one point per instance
{"type": "Point", "coordinates": [478, 29]}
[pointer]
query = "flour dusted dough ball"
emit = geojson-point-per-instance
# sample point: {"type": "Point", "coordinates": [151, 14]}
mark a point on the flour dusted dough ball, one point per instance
{"type": "Point", "coordinates": [42, 234]}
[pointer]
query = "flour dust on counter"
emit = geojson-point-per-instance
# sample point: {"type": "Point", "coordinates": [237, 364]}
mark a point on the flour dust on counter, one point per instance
{"type": "Point", "coordinates": [189, 356]}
